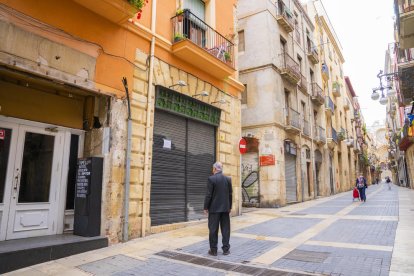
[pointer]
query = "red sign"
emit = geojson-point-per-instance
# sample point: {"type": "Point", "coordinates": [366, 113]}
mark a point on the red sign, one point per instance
{"type": "Point", "coordinates": [2, 134]}
{"type": "Point", "coordinates": [267, 160]}
{"type": "Point", "coordinates": [242, 146]}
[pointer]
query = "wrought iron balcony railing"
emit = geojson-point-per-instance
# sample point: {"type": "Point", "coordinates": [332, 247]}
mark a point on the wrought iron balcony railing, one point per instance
{"type": "Point", "coordinates": [290, 65]}
{"type": "Point", "coordinates": [282, 11]}
{"type": "Point", "coordinates": [317, 93]}
{"type": "Point", "coordinates": [293, 118]}
{"type": "Point", "coordinates": [334, 135]}
{"type": "Point", "coordinates": [188, 26]}
{"type": "Point", "coordinates": [329, 104]}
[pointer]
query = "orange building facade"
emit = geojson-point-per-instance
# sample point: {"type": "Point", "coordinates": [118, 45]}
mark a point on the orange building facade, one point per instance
{"type": "Point", "coordinates": [62, 98]}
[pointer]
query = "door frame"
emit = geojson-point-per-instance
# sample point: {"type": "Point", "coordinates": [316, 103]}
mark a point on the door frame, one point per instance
{"type": "Point", "coordinates": [59, 215]}
{"type": "Point", "coordinates": [9, 178]}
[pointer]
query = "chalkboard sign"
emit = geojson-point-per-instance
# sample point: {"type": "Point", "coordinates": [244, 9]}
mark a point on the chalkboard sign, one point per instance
{"type": "Point", "coordinates": [88, 197]}
{"type": "Point", "coordinates": [83, 178]}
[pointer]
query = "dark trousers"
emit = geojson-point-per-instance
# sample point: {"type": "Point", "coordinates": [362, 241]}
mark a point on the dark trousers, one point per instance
{"type": "Point", "coordinates": [214, 220]}
{"type": "Point", "coordinates": [362, 194]}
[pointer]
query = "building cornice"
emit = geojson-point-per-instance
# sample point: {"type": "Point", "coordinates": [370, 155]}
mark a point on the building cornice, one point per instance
{"type": "Point", "coordinates": [331, 38]}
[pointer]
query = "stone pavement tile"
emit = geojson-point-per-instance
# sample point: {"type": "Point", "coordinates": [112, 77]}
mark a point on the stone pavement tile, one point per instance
{"type": "Point", "coordinates": [30, 271]}
{"type": "Point", "coordinates": [341, 261]}
{"type": "Point", "coordinates": [286, 227]}
{"type": "Point", "coordinates": [120, 265]}
{"type": "Point", "coordinates": [390, 210]}
{"type": "Point", "coordinates": [357, 231]}
{"type": "Point", "coordinates": [241, 250]}
{"type": "Point", "coordinates": [323, 210]}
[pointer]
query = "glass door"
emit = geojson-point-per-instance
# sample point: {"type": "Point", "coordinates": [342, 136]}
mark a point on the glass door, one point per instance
{"type": "Point", "coordinates": [35, 182]}
{"type": "Point", "coordinates": [8, 140]}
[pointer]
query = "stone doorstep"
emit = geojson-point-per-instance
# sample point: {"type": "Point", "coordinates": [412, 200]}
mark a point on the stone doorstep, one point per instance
{"type": "Point", "coordinates": [20, 253]}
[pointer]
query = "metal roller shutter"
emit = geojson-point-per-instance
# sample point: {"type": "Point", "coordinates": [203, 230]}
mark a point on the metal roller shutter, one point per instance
{"type": "Point", "coordinates": [200, 157]}
{"type": "Point", "coordinates": [168, 169]}
{"type": "Point", "coordinates": [290, 176]}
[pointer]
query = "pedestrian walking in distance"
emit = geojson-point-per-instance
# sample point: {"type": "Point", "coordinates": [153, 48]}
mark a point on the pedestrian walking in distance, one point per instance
{"type": "Point", "coordinates": [217, 205]}
{"type": "Point", "coordinates": [361, 184]}
{"type": "Point", "coordinates": [388, 180]}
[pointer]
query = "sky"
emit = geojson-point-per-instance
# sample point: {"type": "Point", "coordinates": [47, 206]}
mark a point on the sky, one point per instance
{"type": "Point", "coordinates": [364, 29]}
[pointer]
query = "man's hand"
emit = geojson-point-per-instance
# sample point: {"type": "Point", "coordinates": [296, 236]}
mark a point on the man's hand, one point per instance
{"type": "Point", "coordinates": [206, 212]}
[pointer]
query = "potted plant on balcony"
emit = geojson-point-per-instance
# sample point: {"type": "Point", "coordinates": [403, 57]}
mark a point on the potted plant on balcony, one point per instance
{"type": "Point", "coordinates": [180, 14]}
{"type": "Point", "coordinates": [341, 136]}
{"type": "Point", "coordinates": [227, 57]}
{"type": "Point", "coordinates": [138, 5]}
{"type": "Point", "coordinates": [178, 37]}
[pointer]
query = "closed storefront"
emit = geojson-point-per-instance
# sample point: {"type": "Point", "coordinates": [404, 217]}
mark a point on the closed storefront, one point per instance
{"type": "Point", "coordinates": [290, 172]}
{"type": "Point", "coordinates": [183, 154]}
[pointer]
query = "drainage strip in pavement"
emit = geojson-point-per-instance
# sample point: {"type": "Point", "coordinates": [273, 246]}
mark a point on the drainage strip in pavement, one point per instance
{"type": "Point", "coordinates": [240, 268]}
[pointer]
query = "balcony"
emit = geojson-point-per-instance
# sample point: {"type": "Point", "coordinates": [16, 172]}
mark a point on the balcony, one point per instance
{"type": "Point", "coordinates": [350, 143]}
{"type": "Point", "coordinates": [317, 96]}
{"type": "Point", "coordinates": [329, 106]}
{"type": "Point", "coordinates": [117, 11]}
{"type": "Point", "coordinates": [312, 52]}
{"type": "Point", "coordinates": [284, 16]}
{"type": "Point", "coordinates": [405, 58]}
{"type": "Point", "coordinates": [336, 89]}
{"type": "Point", "coordinates": [406, 140]}
{"type": "Point", "coordinates": [341, 135]}
{"type": "Point", "coordinates": [321, 136]}
{"type": "Point", "coordinates": [200, 45]}
{"type": "Point", "coordinates": [357, 147]}
{"type": "Point", "coordinates": [306, 128]}
{"type": "Point", "coordinates": [292, 121]}
{"type": "Point", "coordinates": [332, 139]}
{"type": "Point", "coordinates": [347, 105]}
{"type": "Point", "coordinates": [405, 23]}
{"type": "Point", "coordinates": [289, 69]}
{"type": "Point", "coordinates": [303, 84]}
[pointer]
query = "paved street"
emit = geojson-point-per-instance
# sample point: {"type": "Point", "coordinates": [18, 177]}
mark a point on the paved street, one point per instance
{"type": "Point", "coordinates": [329, 236]}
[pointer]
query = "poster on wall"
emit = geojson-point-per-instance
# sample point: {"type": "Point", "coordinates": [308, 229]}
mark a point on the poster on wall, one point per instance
{"type": "Point", "coordinates": [267, 160]}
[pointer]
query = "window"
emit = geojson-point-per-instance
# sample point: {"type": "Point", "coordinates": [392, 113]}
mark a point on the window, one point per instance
{"type": "Point", "coordinates": [283, 48]}
{"type": "Point", "coordinates": [241, 41]}
{"type": "Point", "coordinates": [244, 95]}
{"type": "Point", "coordinates": [197, 7]}
{"type": "Point", "coordinates": [300, 63]}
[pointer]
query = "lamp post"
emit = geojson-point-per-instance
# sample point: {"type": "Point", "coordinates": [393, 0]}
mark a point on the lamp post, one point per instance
{"type": "Point", "coordinates": [391, 92]}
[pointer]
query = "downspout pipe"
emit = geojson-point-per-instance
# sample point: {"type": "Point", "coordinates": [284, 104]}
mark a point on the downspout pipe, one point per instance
{"type": "Point", "coordinates": [150, 109]}
{"type": "Point", "coordinates": [128, 165]}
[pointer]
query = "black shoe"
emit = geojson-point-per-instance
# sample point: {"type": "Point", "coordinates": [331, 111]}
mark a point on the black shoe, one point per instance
{"type": "Point", "coordinates": [226, 252]}
{"type": "Point", "coordinates": [212, 252]}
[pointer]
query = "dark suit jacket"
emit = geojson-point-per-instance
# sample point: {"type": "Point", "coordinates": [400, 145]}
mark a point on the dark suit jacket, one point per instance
{"type": "Point", "coordinates": [219, 195]}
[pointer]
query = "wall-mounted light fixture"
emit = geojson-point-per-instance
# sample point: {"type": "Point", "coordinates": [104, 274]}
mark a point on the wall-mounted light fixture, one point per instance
{"type": "Point", "coordinates": [179, 83]}
{"type": "Point", "coordinates": [222, 101]}
{"type": "Point", "coordinates": [202, 94]}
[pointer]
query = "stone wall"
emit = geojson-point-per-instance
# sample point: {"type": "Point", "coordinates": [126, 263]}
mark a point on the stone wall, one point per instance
{"type": "Point", "coordinates": [228, 135]}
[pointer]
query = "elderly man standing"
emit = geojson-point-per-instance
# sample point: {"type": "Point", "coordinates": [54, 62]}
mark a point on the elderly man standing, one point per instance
{"type": "Point", "coordinates": [217, 205]}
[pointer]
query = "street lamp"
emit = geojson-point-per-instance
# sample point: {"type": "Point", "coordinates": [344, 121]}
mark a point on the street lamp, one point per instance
{"type": "Point", "coordinates": [391, 92]}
